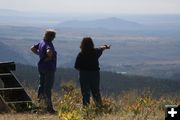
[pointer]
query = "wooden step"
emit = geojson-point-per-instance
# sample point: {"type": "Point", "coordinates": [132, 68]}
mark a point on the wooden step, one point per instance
{"type": "Point", "coordinates": [18, 102]}
{"type": "Point", "coordinates": [15, 88]}
{"type": "Point", "coordinates": [5, 75]}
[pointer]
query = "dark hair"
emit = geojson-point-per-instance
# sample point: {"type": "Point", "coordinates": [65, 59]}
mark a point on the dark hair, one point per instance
{"type": "Point", "coordinates": [87, 45]}
{"type": "Point", "coordinates": [49, 35]}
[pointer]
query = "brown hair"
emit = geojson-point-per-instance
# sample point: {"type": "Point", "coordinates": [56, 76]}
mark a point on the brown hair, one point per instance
{"type": "Point", "coordinates": [87, 45]}
{"type": "Point", "coordinates": [49, 35]}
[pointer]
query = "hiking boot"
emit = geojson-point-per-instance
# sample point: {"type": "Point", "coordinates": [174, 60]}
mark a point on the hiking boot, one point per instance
{"type": "Point", "coordinates": [52, 111]}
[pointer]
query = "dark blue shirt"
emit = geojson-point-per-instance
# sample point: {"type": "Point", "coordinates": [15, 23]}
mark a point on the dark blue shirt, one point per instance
{"type": "Point", "coordinates": [42, 48]}
{"type": "Point", "coordinates": [88, 61]}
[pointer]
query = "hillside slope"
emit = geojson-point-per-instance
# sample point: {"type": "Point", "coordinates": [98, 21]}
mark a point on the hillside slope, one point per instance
{"type": "Point", "coordinates": [129, 106]}
{"type": "Point", "coordinates": [111, 83]}
{"type": "Point", "coordinates": [7, 54]}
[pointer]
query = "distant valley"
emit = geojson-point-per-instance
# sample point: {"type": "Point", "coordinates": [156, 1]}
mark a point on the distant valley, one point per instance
{"type": "Point", "coordinates": [137, 48]}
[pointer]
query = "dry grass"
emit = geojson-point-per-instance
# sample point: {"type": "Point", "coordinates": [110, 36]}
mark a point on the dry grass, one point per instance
{"type": "Point", "coordinates": [129, 106]}
{"type": "Point", "coordinates": [28, 117]}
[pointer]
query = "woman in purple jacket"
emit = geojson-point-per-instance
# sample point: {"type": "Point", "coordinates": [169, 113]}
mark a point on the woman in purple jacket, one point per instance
{"type": "Point", "coordinates": [46, 67]}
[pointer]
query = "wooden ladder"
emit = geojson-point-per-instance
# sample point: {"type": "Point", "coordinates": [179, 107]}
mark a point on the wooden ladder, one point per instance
{"type": "Point", "coordinates": [12, 93]}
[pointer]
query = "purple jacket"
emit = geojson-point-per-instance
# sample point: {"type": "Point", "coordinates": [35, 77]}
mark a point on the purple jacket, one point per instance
{"type": "Point", "coordinates": [43, 65]}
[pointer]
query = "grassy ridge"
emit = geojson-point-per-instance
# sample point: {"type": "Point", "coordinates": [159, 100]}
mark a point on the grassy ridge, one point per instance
{"type": "Point", "coordinates": [131, 105]}
{"type": "Point", "coordinates": [133, 98]}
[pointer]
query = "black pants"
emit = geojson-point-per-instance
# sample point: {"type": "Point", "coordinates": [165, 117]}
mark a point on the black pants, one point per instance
{"type": "Point", "coordinates": [45, 86]}
{"type": "Point", "coordinates": [90, 82]}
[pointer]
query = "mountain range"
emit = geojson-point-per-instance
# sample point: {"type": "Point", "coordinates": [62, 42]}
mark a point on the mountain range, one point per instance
{"type": "Point", "coordinates": [107, 23]}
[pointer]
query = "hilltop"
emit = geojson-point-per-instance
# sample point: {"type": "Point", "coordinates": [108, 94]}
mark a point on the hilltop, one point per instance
{"type": "Point", "coordinates": [124, 97]}
{"type": "Point", "coordinates": [131, 105]}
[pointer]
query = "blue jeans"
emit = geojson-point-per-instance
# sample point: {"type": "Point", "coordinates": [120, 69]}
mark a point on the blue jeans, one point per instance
{"type": "Point", "coordinates": [45, 86]}
{"type": "Point", "coordinates": [90, 82]}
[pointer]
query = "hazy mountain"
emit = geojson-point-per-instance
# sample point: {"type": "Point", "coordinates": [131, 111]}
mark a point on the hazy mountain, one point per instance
{"type": "Point", "coordinates": [108, 23]}
{"type": "Point", "coordinates": [7, 54]}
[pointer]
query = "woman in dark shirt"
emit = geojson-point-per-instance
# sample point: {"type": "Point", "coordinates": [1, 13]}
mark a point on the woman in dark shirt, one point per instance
{"type": "Point", "coordinates": [88, 65]}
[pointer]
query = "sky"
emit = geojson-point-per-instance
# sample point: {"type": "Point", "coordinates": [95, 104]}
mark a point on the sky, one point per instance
{"type": "Point", "coordinates": [95, 6]}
